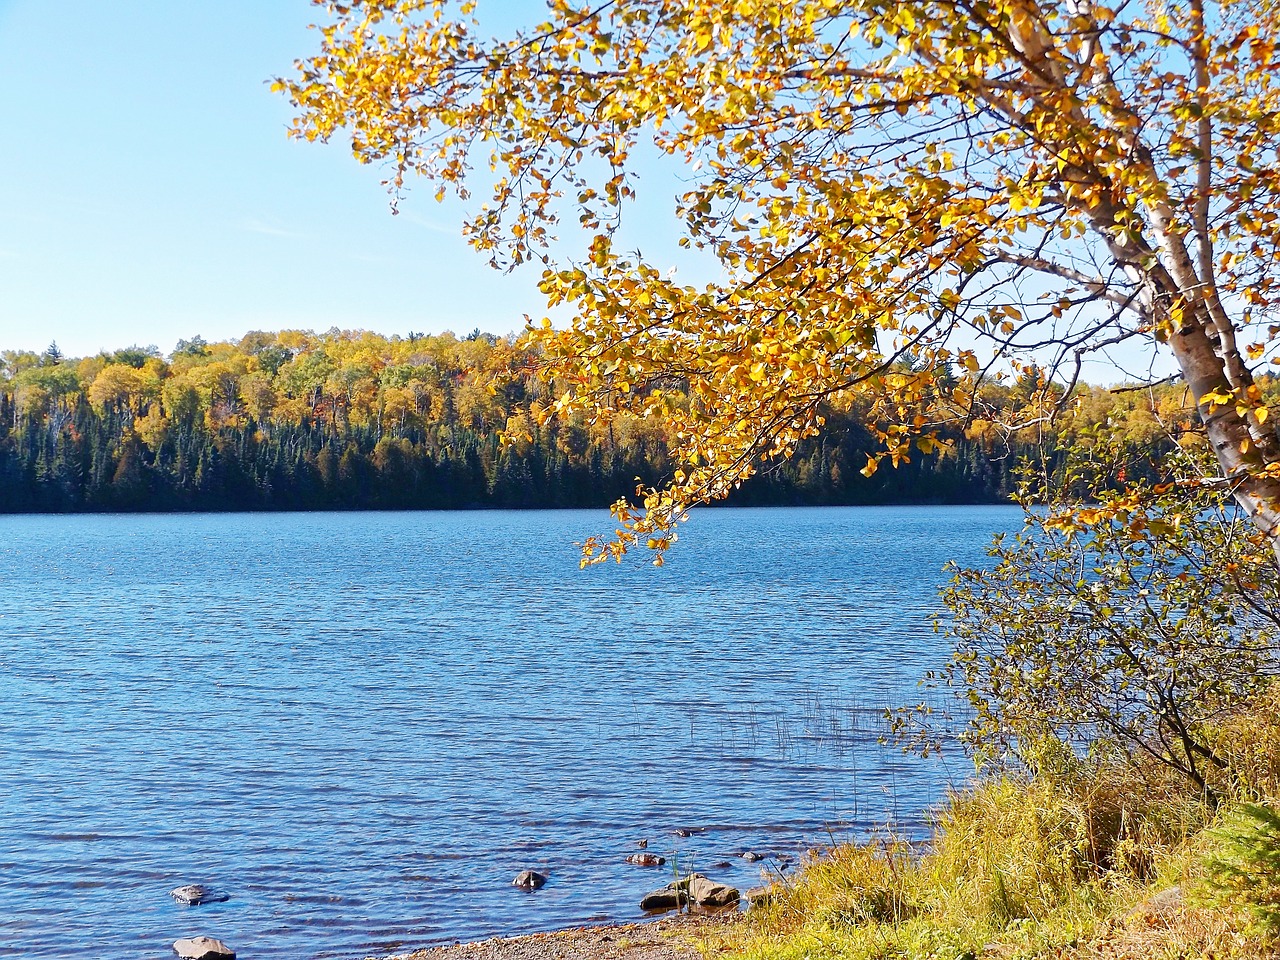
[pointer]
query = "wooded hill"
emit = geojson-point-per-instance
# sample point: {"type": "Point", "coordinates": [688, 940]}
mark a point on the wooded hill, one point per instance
{"type": "Point", "coordinates": [355, 420]}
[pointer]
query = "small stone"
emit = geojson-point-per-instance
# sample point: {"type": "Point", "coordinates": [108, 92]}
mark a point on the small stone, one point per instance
{"type": "Point", "coordinates": [682, 832]}
{"type": "Point", "coordinates": [751, 856]}
{"type": "Point", "coordinates": [194, 893]}
{"type": "Point", "coordinates": [203, 948]}
{"type": "Point", "coordinates": [646, 859]}
{"type": "Point", "coordinates": [722, 865]}
{"type": "Point", "coordinates": [642, 844]}
{"type": "Point", "coordinates": [529, 880]}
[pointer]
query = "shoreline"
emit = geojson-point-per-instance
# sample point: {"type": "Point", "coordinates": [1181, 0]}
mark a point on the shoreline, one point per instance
{"type": "Point", "coordinates": [663, 938]}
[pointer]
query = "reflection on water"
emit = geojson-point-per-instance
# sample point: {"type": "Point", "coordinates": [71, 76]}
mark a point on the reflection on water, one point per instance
{"type": "Point", "coordinates": [362, 726]}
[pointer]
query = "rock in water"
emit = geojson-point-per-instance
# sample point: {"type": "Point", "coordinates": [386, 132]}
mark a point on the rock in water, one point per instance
{"type": "Point", "coordinates": [751, 856]}
{"type": "Point", "coordinates": [664, 899]}
{"type": "Point", "coordinates": [194, 893]}
{"type": "Point", "coordinates": [695, 888]}
{"type": "Point", "coordinates": [646, 859]}
{"type": "Point", "coordinates": [671, 897]}
{"type": "Point", "coordinates": [708, 893]}
{"type": "Point", "coordinates": [203, 948]}
{"type": "Point", "coordinates": [529, 880]}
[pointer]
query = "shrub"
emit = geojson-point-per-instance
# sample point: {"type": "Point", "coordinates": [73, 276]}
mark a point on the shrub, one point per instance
{"type": "Point", "coordinates": [1135, 628]}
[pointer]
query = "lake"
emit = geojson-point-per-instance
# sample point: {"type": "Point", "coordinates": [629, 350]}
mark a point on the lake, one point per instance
{"type": "Point", "coordinates": [361, 726]}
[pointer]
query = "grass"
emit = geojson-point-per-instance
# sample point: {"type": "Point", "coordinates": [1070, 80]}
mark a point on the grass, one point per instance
{"type": "Point", "coordinates": [1069, 858]}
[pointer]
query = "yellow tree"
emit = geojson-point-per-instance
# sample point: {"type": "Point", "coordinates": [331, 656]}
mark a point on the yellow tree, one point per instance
{"type": "Point", "coordinates": [119, 390]}
{"type": "Point", "coordinates": [944, 182]}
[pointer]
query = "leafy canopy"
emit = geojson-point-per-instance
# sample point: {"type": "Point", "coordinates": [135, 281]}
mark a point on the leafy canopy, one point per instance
{"type": "Point", "coordinates": [895, 191]}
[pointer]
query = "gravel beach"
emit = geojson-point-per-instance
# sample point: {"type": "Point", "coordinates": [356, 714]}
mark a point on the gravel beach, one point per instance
{"type": "Point", "coordinates": [671, 938]}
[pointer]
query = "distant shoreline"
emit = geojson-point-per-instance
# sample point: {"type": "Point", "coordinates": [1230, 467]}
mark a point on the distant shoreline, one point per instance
{"type": "Point", "coordinates": [719, 506]}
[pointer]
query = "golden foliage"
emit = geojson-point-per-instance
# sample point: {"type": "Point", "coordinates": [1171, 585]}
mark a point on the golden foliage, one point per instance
{"type": "Point", "coordinates": [898, 193]}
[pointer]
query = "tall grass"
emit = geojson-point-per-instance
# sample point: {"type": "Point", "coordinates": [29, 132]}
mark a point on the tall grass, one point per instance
{"type": "Point", "coordinates": [1058, 858]}
{"type": "Point", "coordinates": [1008, 854]}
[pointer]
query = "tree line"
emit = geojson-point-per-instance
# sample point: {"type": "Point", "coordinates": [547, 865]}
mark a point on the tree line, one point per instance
{"type": "Point", "coordinates": [355, 420]}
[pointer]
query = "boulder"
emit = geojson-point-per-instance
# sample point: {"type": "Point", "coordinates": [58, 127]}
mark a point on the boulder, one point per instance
{"type": "Point", "coordinates": [529, 880]}
{"type": "Point", "coordinates": [683, 882]}
{"type": "Point", "coordinates": [646, 859]}
{"type": "Point", "coordinates": [664, 899]}
{"type": "Point", "coordinates": [194, 893]}
{"type": "Point", "coordinates": [682, 832]}
{"type": "Point", "coordinates": [693, 889]}
{"type": "Point", "coordinates": [708, 893]}
{"type": "Point", "coordinates": [203, 948]}
{"type": "Point", "coordinates": [758, 897]}
{"type": "Point", "coordinates": [1160, 906]}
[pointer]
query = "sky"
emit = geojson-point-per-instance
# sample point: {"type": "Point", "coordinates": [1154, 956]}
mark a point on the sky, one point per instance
{"type": "Point", "coordinates": [148, 192]}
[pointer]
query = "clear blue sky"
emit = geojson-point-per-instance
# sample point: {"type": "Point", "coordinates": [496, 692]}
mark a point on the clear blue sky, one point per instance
{"type": "Point", "coordinates": [148, 192]}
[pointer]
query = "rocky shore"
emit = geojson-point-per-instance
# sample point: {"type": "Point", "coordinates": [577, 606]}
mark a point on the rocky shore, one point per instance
{"type": "Point", "coordinates": [696, 899]}
{"type": "Point", "coordinates": [670, 938]}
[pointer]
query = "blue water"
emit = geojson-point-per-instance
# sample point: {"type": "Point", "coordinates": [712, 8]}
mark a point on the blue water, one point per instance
{"type": "Point", "coordinates": [362, 726]}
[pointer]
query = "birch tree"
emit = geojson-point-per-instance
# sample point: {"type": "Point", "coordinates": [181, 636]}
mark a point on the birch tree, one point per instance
{"type": "Point", "coordinates": [895, 191]}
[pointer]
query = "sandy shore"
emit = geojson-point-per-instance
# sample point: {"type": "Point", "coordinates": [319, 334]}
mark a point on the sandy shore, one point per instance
{"type": "Point", "coordinates": [671, 938]}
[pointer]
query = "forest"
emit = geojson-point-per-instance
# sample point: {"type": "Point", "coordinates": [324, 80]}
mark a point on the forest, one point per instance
{"type": "Point", "coordinates": [297, 420]}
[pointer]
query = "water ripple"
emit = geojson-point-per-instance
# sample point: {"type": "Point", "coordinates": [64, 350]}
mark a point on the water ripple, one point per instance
{"type": "Point", "coordinates": [361, 726]}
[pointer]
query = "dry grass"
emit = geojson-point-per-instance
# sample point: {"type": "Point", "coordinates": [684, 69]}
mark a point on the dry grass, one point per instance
{"type": "Point", "coordinates": [1076, 859]}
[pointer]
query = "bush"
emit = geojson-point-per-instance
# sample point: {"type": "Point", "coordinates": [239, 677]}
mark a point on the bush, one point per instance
{"type": "Point", "coordinates": [1134, 627]}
